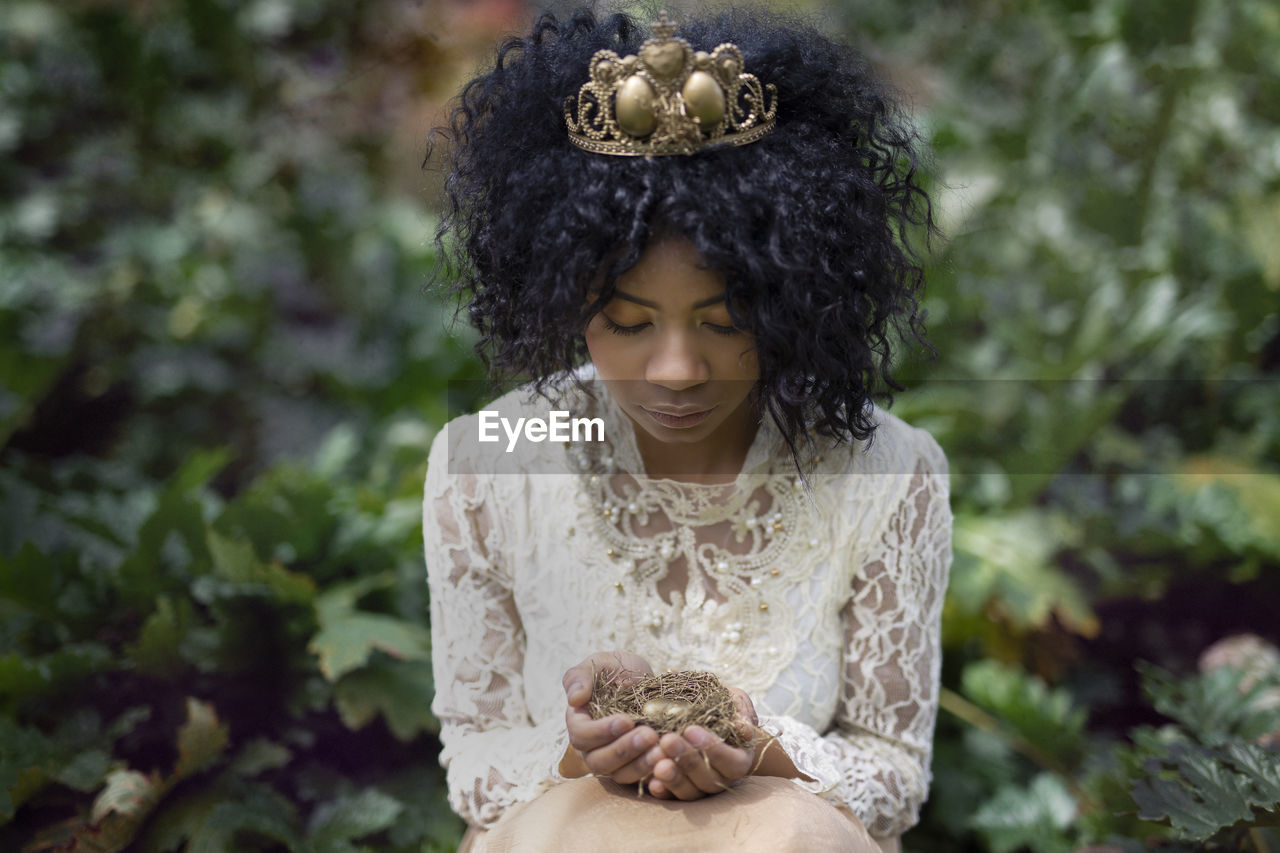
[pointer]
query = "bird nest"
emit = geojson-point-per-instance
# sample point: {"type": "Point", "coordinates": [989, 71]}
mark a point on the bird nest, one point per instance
{"type": "Point", "coordinates": [670, 702]}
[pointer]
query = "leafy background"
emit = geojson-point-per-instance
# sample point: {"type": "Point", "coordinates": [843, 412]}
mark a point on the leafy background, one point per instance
{"type": "Point", "coordinates": [220, 373]}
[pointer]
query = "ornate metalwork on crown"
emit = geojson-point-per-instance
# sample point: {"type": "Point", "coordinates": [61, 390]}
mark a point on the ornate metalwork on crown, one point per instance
{"type": "Point", "coordinates": [669, 99]}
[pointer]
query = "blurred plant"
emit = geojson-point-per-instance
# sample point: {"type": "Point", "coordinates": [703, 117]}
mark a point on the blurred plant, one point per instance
{"type": "Point", "coordinates": [198, 245]}
{"type": "Point", "coordinates": [123, 597]}
{"type": "Point", "coordinates": [207, 278]}
{"type": "Point", "coordinates": [1108, 319]}
{"type": "Point", "coordinates": [1037, 779]}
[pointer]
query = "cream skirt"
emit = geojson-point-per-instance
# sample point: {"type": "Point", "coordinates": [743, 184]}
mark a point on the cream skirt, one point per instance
{"type": "Point", "coordinates": [762, 814]}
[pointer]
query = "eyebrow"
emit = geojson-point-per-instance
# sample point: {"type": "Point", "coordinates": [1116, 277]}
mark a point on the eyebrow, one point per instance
{"type": "Point", "coordinates": [618, 294]}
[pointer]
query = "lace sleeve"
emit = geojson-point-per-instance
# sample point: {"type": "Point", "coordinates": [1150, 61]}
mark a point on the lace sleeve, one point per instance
{"type": "Point", "coordinates": [875, 760]}
{"type": "Point", "coordinates": [494, 756]}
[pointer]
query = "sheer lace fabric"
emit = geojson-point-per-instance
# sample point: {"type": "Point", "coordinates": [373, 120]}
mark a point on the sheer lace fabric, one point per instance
{"type": "Point", "coordinates": [821, 599]}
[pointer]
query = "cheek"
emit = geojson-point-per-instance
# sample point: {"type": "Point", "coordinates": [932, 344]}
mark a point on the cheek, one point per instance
{"type": "Point", "coordinates": [602, 346]}
{"type": "Point", "coordinates": [591, 334]}
{"type": "Point", "coordinates": [740, 361]}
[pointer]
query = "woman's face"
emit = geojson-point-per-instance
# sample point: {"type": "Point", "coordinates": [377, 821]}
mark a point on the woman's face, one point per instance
{"type": "Point", "coordinates": [669, 352]}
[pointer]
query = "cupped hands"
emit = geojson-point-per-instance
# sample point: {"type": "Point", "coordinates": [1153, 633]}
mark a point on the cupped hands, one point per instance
{"type": "Point", "coordinates": [689, 765]}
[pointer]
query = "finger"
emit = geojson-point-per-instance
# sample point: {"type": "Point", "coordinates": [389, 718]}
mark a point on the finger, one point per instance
{"type": "Point", "coordinates": [611, 759]}
{"type": "Point", "coordinates": [628, 668]}
{"type": "Point", "coordinates": [742, 702]}
{"type": "Point", "coordinates": [658, 789]}
{"type": "Point", "coordinates": [668, 775]}
{"type": "Point", "coordinates": [578, 682]}
{"type": "Point", "coordinates": [747, 730]}
{"type": "Point", "coordinates": [711, 764]}
{"type": "Point", "coordinates": [639, 768]}
{"type": "Point", "coordinates": [665, 775]}
{"type": "Point", "coordinates": [586, 734]}
{"type": "Point", "coordinates": [695, 776]}
{"type": "Point", "coordinates": [730, 762]}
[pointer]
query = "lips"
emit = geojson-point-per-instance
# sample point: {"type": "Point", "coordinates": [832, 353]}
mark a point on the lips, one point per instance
{"type": "Point", "coordinates": [677, 411]}
{"type": "Point", "coordinates": [681, 418]}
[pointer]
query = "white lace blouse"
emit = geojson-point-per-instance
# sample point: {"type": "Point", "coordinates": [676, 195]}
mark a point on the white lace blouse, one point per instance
{"type": "Point", "coordinates": [821, 599]}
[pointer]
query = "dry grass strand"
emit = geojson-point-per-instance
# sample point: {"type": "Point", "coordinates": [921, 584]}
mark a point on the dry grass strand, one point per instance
{"type": "Point", "coordinates": [670, 702]}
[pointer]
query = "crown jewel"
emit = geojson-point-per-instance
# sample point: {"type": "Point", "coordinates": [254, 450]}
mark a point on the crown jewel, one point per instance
{"type": "Point", "coordinates": [669, 99]}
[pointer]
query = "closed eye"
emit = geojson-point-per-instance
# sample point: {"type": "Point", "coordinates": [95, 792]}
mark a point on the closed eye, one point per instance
{"type": "Point", "coordinates": [723, 330]}
{"type": "Point", "coordinates": [622, 330]}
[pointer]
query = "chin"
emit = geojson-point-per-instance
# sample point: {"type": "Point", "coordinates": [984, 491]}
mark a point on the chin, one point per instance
{"type": "Point", "coordinates": [679, 436]}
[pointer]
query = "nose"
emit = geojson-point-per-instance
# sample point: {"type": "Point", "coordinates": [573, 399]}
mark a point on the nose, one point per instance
{"type": "Point", "coordinates": [676, 362]}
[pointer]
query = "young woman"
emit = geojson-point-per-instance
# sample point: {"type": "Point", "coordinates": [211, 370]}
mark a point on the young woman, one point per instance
{"type": "Point", "coordinates": [696, 243]}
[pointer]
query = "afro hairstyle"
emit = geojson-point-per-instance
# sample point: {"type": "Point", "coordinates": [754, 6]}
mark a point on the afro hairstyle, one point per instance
{"type": "Point", "coordinates": [811, 226]}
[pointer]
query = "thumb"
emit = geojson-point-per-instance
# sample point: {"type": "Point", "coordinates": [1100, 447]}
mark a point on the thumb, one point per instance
{"type": "Point", "coordinates": [577, 686]}
{"type": "Point", "coordinates": [742, 702]}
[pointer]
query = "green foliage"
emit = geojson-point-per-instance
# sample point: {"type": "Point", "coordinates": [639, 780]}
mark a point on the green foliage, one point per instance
{"type": "Point", "coordinates": [1043, 717]}
{"type": "Point", "coordinates": [223, 622]}
{"type": "Point", "coordinates": [1036, 816]}
{"type": "Point", "coordinates": [1210, 772]}
{"type": "Point", "coordinates": [1206, 780]}
{"type": "Point", "coordinates": [348, 636]}
{"type": "Point", "coordinates": [1218, 706]}
{"type": "Point", "coordinates": [1004, 566]}
{"type": "Point", "coordinates": [219, 378]}
{"type": "Point", "coordinates": [399, 692]}
{"type": "Point", "coordinates": [1201, 791]}
{"type": "Point", "coordinates": [1106, 311]}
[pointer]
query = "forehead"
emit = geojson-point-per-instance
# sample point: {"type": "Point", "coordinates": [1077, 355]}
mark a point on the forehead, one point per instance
{"type": "Point", "coordinates": [671, 273]}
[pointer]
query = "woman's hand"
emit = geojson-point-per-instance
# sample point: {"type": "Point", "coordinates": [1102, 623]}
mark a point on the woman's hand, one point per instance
{"type": "Point", "coordinates": [697, 763]}
{"type": "Point", "coordinates": [612, 746]}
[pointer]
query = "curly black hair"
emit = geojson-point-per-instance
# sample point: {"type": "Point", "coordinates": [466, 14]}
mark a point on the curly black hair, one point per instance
{"type": "Point", "coordinates": [811, 226]}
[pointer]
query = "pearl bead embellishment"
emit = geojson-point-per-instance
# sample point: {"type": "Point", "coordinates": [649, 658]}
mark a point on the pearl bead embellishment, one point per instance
{"type": "Point", "coordinates": [732, 632]}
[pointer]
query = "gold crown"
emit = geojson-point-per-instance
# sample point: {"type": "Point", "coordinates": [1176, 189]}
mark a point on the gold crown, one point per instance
{"type": "Point", "coordinates": [669, 99]}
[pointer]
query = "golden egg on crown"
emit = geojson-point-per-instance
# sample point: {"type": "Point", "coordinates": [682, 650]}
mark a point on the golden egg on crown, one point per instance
{"type": "Point", "coordinates": [669, 99]}
{"type": "Point", "coordinates": [634, 106]}
{"type": "Point", "coordinates": [703, 98]}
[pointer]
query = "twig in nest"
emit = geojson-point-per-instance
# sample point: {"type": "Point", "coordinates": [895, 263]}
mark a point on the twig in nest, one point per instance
{"type": "Point", "coordinates": [670, 702]}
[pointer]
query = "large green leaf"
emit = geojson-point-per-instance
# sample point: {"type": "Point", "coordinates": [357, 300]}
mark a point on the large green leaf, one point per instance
{"type": "Point", "coordinates": [201, 739]}
{"type": "Point", "coordinates": [1201, 790]}
{"type": "Point", "coordinates": [258, 756]}
{"type": "Point", "coordinates": [1037, 816]}
{"type": "Point", "coordinates": [129, 796]}
{"type": "Point", "coordinates": [1004, 568]}
{"type": "Point", "coordinates": [427, 822]}
{"type": "Point", "coordinates": [119, 811]}
{"type": "Point", "coordinates": [22, 675]}
{"type": "Point", "coordinates": [158, 649]}
{"type": "Point", "coordinates": [76, 754]}
{"type": "Point", "coordinates": [1261, 765]}
{"type": "Point", "coordinates": [350, 818]}
{"type": "Point", "coordinates": [401, 691]}
{"type": "Point", "coordinates": [1238, 502]}
{"type": "Point", "coordinates": [345, 643]}
{"type": "Point", "coordinates": [348, 635]}
{"type": "Point", "coordinates": [1215, 706]}
{"type": "Point", "coordinates": [173, 534]}
{"type": "Point", "coordinates": [1047, 718]}
{"type": "Point", "coordinates": [220, 818]}
{"type": "Point", "coordinates": [235, 563]}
